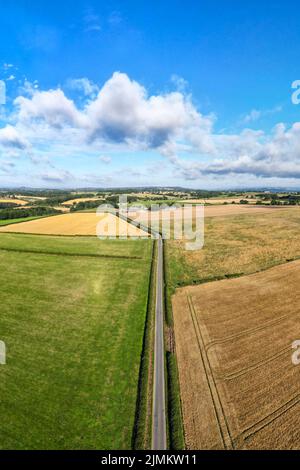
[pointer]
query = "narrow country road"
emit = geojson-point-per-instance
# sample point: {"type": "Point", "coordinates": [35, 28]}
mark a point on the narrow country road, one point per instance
{"type": "Point", "coordinates": [159, 435]}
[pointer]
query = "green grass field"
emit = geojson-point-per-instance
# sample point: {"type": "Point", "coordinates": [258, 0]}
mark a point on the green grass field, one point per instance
{"type": "Point", "coordinates": [16, 221]}
{"type": "Point", "coordinates": [73, 325]}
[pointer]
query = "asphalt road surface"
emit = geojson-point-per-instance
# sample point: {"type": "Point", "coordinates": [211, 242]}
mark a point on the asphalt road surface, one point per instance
{"type": "Point", "coordinates": [159, 435]}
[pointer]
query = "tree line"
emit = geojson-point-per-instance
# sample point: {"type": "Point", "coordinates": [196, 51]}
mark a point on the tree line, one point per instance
{"type": "Point", "coordinates": [30, 212]}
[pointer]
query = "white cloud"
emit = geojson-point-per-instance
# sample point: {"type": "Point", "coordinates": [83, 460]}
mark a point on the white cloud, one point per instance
{"type": "Point", "coordinates": [56, 176]}
{"type": "Point", "coordinates": [7, 166]}
{"type": "Point", "coordinates": [52, 107]}
{"type": "Point", "coordinates": [10, 137]}
{"type": "Point", "coordinates": [122, 115]}
{"type": "Point", "coordinates": [252, 153]}
{"type": "Point", "coordinates": [7, 66]}
{"type": "Point", "coordinates": [84, 85]}
{"type": "Point", "coordinates": [28, 88]}
{"type": "Point", "coordinates": [256, 114]}
{"type": "Point", "coordinates": [180, 83]}
{"type": "Point", "coordinates": [123, 112]}
{"type": "Point", "coordinates": [105, 159]}
{"type": "Point", "coordinates": [91, 22]}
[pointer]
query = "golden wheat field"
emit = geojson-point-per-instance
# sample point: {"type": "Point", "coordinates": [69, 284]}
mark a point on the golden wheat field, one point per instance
{"type": "Point", "coordinates": [20, 202]}
{"type": "Point", "coordinates": [104, 224]}
{"type": "Point", "coordinates": [83, 199]}
{"type": "Point", "coordinates": [239, 388]}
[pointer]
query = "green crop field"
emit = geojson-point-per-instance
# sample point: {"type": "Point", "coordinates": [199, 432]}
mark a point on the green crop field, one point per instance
{"type": "Point", "coordinates": [72, 317]}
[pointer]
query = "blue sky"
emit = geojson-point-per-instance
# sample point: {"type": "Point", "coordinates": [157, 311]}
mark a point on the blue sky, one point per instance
{"type": "Point", "coordinates": [195, 94]}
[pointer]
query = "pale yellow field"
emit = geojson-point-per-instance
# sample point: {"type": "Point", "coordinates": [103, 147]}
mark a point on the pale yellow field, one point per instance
{"type": "Point", "coordinates": [32, 198]}
{"type": "Point", "coordinates": [21, 202]}
{"type": "Point", "coordinates": [62, 208]}
{"type": "Point", "coordinates": [223, 210]}
{"type": "Point", "coordinates": [143, 216]}
{"type": "Point", "coordinates": [83, 199]}
{"type": "Point", "coordinates": [78, 224]}
{"type": "Point", "coordinates": [150, 195]}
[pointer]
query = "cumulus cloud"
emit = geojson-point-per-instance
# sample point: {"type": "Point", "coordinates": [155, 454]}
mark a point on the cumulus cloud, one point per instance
{"type": "Point", "coordinates": [122, 112]}
{"type": "Point", "coordinates": [10, 137]}
{"type": "Point", "coordinates": [28, 88]}
{"type": "Point", "coordinates": [243, 166]}
{"type": "Point", "coordinates": [7, 166]}
{"type": "Point", "coordinates": [123, 115]}
{"type": "Point", "coordinates": [52, 107]}
{"type": "Point", "coordinates": [252, 153]}
{"type": "Point", "coordinates": [83, 85]}
{"type": "Point", "coordinates": [57, 176]}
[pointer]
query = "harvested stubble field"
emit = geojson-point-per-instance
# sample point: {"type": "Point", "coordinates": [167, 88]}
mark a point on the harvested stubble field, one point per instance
{"type": "Point", "coordinates": [236, 245]}
{"type": "Point", "coordinates": [78, 224]}
{"type": "Point", "coordinates": [236, 209]}
{"type": "Point", "coordinates": [156, 217]}
{"type": "Point", "coordinates": [72, 317]}
{"type": "Point", "coordinates": [239, 388]}
{"type": "Point", "coordinates": [210, 211]}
